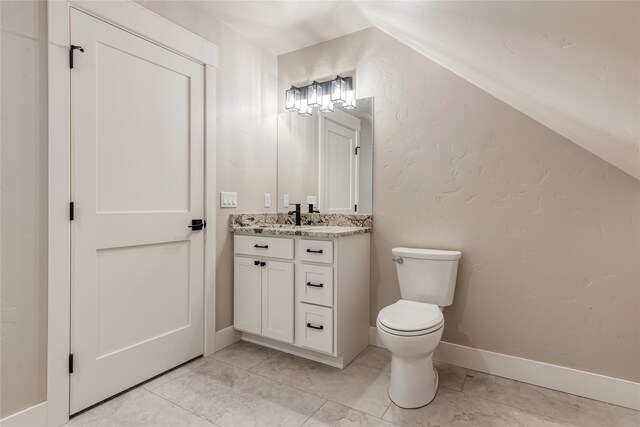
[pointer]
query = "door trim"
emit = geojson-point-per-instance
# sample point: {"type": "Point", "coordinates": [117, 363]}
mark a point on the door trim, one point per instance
{"type": "Point", "coordinates": [142, 22]}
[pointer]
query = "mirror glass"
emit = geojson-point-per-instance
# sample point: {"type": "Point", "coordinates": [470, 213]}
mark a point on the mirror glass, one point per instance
{"type": "Point", "coordinates": [326, 160]}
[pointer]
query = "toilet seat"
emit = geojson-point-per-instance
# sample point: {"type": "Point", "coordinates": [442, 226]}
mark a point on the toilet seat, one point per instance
{"type": "Point", "coordinates": [410, 318]}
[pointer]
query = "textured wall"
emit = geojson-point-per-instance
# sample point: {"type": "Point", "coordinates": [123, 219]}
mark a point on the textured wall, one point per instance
{"type": "Point", "coordinates": [23, 261]}
{"type": "Point", "coordinates": [549, 232]}
{"type": "Point", "coordinates": [246, 134]}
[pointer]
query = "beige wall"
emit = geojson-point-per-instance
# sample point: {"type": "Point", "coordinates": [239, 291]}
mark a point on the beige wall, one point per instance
{"type": "Point", "coordinates": [246, 134]}
{"type": "Point", "coordinates": [23, 261]}
{"type": "Point", "coordinates": [549, 232]}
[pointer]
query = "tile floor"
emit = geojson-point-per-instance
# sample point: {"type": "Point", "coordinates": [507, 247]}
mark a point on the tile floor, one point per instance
{"type": "Point", "coordinates": [249, 385]}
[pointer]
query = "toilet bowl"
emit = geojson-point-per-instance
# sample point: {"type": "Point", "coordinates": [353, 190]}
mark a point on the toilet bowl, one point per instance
{"type": "Point", "coordinates": [412, 327]}
{"type": "Point", "coordinates": [411, 331]}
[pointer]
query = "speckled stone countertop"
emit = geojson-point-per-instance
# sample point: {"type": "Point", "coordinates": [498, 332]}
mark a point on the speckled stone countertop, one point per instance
{"type": "Point", "coordinates": [314, 225]}
{"type": "Point", "coordinates": [301, 230]}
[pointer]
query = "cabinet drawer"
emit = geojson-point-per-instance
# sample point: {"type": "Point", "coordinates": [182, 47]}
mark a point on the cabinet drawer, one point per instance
{"type": "Point", "coordinates": [315, 284]}
{"type": "Point", "coordinates": [315, 327]}
{"type": "Point", "coordinates": [259, 246]}
{"type": "Point", "coordinates": [315, 251]}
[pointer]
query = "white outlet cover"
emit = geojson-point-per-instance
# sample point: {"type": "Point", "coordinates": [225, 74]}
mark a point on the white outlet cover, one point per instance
{"type": "Point", "coordinates": [285, 200]}
{"type": "Point", "coordinates": [312, 200]}
{"type": "Point", "coordinates": [267, 200]}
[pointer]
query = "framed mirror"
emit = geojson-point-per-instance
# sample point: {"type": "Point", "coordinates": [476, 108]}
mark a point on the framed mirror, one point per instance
{"type": "Point", "coordinates": [326, 160]}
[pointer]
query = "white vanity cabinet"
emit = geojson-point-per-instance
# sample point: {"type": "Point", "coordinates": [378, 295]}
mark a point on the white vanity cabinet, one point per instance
{"type": "Point", "coordinates": [264, 288]}
{"type": "Point", "coordinates": [304, 295]}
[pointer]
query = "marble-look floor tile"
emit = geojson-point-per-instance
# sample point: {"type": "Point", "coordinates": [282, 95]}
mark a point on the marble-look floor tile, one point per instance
{"type": "Point", "coordinates": [456, 409]}
{"type": "Point", "coordinates": [357, 386]}
{"type": "Point", "coordinates": [450, 376]}
{"type": "Point", "coordinates": [375, 357]}
{"type": "Point", "coordinates": [333, 414]}
{"type": "Point", "coordinates": [139, 408]}
{"type": "Point", "coordinates": [552, 403]}
{"type": "Point", "coordinates": [624, 417]}
{"type": "Point", "coordinates": [230, 396]}
{"type": "Point", "coordinates": [174, 373]}
{"type": "Point", "coordinates": [244, 354]}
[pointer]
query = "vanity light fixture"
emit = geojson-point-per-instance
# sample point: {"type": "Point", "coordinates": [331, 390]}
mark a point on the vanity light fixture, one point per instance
{"type": "Point", "coordinates": [322, 96]}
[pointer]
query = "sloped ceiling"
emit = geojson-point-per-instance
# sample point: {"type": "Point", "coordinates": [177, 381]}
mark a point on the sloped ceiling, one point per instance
{"type": "Point", "coordinates": [574, 66]}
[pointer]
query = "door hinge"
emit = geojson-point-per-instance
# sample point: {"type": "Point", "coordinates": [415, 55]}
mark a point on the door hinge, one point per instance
{"type": "Point", "coordinates": [71, 49]}
{"type": "Point", "coordinates": [71, 363]}
{"type": "Point", "coordinates": [357, 149]}
{"type": "Point", "coordinates": [72, 211]}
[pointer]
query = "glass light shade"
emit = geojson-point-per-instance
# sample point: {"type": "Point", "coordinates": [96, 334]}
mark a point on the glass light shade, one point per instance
{"type": "Point", "coordinates": [350, 103]}
{"type": "Point", "coordinates": [314, 94]}
{"type": "Point", "coordinates": [292, 99]}
{"type": "Point", "coordinates": [327, 105]}
{"type": "Point", "coordinates": [305, 109]}
{"type": "Point", "coordinates": [338, 90]}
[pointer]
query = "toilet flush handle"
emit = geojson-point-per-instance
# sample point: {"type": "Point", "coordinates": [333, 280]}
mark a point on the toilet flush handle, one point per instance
{"type": "Point", "coordinates": [398, 260]}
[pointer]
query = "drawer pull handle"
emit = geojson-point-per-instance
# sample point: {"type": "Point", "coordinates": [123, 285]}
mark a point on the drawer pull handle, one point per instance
{"type": "Point", "coordinates": [311, 251]}
{"type": "Point", "coordinates": [261, 246]}
{"type": "Point", "coordinates": [309, 325]}
{"type": "Point", "coordinates": [256, 262]}
{"type": "Point", "coordinates": [314, 285]}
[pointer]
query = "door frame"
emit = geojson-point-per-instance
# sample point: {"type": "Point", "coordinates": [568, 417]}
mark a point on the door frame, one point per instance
{"type": "Point", "coordinates": [140, 21]}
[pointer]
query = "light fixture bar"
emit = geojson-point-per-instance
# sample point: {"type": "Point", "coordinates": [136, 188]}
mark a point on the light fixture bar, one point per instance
{"type": "Point", "coordinates": [322, 96]}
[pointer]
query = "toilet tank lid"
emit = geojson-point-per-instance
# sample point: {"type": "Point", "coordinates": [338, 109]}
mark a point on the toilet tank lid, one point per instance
{"type": "Point", "coordinates": [427, 254]}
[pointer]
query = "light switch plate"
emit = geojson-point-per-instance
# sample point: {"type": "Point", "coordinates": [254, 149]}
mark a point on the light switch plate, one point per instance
{"type": "Point", "coordinates": [285, 200]}
{"type": "Point", "coordinates": [267, 200]}
{"type": "Point", "coordinates": [228, 199]}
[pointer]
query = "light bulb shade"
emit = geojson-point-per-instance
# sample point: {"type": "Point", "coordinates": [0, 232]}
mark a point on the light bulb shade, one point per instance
{"type": "Point", "coordinates": [314, 94]}
{"type": "Point", "coordinates": [338, 90]}
{"type": "Point", "coordinates": [305, 109]}
{"type": "Point", "coordinates": [350, 98]}
{"type": "Point", "coordinates": [327, 105]}
{"type": "Point", "coordinates": [292, 99]}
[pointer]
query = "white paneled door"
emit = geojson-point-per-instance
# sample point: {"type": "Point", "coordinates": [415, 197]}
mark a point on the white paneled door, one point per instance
{"type": "Point", "coordinates": [137, 124]}
{"type": "Point", "coordinates": [339, 165]}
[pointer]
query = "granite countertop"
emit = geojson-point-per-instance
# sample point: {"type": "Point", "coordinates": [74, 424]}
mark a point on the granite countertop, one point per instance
{"type": "Point", "coordinates": [300, 230]}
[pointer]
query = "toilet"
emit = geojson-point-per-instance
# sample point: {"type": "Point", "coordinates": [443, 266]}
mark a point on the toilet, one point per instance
{"type": "Point", "coordinates": [412, 327]}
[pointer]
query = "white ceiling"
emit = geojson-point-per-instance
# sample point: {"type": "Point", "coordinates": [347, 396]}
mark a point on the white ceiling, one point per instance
{"type": "Point", "coordinates": [285, 26]}
{"type": "Point", "coordinates": [573, 66]}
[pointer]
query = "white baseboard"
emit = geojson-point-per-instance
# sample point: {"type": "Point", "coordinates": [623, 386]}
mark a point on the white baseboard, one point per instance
{"type": "Point", "coordinates": [581, 383]}
{"type": "Point", "coordinates": [30, 417]}
{"type": "Point", "coordinates": [226, 337]}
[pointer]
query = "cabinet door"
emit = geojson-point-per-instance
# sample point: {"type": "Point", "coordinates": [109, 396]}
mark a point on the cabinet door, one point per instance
{"type": "Point", "coordinates": [247, 300]}
{"type": "Point", "coordinates": [277, 301]}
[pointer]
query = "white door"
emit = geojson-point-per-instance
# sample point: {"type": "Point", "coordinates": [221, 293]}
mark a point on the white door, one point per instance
{"type": "Point", "coordinates": [137, 182]}
{"type": "Point", "coordinates": [277, 300]}
{"type": "Point", "coordinates": [247, 291]}
{"type": "Point", "coordinates": [338, 165]}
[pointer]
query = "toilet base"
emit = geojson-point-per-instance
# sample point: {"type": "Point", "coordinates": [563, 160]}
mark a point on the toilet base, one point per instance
{"type": "Point", "coordinates": [414, 381]}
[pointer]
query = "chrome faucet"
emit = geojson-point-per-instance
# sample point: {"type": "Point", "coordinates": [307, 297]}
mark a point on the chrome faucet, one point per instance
{"type": "Point", "coordinates": [297, 212]}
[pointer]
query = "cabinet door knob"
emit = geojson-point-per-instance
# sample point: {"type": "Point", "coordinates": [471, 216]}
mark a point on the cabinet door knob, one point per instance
{"type": "Point", "coordinates": [320, 327]}
{"type": "Point", "coordinates": [262, 264]}
{"type": "Point", "coordinates": [256, 262]}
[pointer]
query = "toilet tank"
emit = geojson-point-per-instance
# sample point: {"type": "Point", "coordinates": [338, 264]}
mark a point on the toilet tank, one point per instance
{"type": "Point", "coordinates": [427, 275]}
